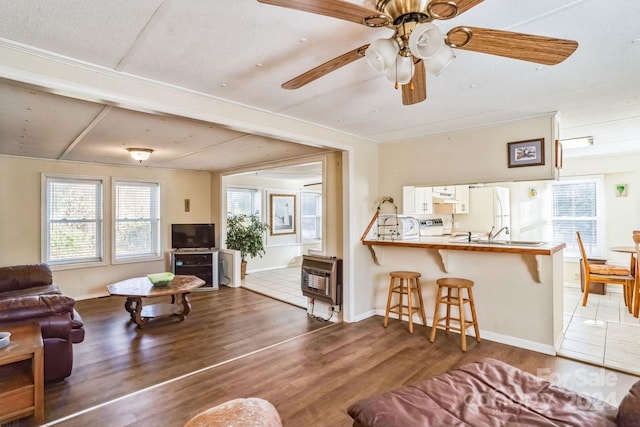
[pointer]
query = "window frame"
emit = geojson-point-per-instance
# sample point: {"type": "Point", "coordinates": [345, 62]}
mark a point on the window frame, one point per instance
{"type": "Point", "coordinates": [256, 205]}
{"type": "Point", "coordinates": [597, 250]}
{"type": "Point", "coordinates": [317, 216]}
{"type": "Point", "coordinates": [72, 263]}
{"type": "Point", "coordinates": [158, 255]}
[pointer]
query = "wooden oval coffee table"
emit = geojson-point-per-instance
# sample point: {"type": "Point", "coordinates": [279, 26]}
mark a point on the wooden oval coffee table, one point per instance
{"type": "Point", "coordinates": [140, 287]}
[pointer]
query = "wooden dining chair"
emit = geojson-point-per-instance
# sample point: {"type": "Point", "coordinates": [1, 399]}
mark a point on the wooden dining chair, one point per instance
{"type": "Point", "coordinates": [636, 285]}
{"type": "Point", "coordinates": [606, 273]}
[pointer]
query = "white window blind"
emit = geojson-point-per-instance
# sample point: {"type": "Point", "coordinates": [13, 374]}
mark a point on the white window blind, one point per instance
{"type": "Point", "coordinates": [137, 219]}
{"type": "Point", "coordinates": [244, 201]}
{"type": "Point", "coordinates": [578, 206]}
{"type": "Point", "coordinates": [311, 215]}
{"type": "Point", "coordinates": [73, 220]}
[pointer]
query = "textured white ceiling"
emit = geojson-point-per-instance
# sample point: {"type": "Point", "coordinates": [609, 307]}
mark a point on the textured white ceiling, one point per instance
{"type": "Point", "coordinates": [242, 51]}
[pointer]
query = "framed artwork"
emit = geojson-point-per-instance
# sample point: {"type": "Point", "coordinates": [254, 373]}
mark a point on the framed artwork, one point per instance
{"type": "Point", "coordinates": [282, 213]}
{"type": "Point", "coordinates": [526, 153]}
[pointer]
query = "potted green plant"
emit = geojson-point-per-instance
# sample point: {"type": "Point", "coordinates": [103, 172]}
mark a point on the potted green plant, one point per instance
{"type": "Point", "coordinates": [245, 233]}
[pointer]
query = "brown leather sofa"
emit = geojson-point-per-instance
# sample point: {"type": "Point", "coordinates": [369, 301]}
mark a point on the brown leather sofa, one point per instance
{"type": "Point", "coordinates": [28, 294]}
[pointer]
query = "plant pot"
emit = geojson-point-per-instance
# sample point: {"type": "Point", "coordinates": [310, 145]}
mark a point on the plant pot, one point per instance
{"type": "Point", "coordinates": [243, 269]}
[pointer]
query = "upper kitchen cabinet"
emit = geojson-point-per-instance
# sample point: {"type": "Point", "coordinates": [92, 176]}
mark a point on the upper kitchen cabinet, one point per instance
{"type": "Point", "coordinates": [451, 199]}
{"type": "Point", "coordinates": [417, 200]}
{"type": "Point", "coordinates": [462, 197]}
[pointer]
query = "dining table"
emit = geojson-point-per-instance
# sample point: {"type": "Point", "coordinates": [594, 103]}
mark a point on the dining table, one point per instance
{"type": "Point", "coordinates": [632, 250]}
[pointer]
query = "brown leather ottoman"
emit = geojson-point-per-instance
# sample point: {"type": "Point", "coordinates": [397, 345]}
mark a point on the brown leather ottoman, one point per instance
{"type": "Point", "coordinates": [250, 412]}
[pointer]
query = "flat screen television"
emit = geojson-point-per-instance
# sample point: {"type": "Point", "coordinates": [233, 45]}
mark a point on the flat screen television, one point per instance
{"type": "Point", "coordinates": [193, 236]}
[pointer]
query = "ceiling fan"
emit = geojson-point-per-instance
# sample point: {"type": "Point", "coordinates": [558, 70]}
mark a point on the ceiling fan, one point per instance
{"type": "Point", "coordinates": [417, 44]}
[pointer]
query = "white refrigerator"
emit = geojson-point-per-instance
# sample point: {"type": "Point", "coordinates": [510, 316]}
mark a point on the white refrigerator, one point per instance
{"type": "Point", "coordinates": [488, 207]}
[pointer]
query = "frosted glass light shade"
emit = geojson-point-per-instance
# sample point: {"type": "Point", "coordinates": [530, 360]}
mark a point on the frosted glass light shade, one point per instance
{"type": "Point", "coordinates": [425, 40]}
{"type": "Point", "coordinates": [402, 70]}
{"type": "Point", "coordinates": [140, 154]}
{"type": "Point", "coordinates": [441, 60]}
{"type": "Point", "coordinates": [381, 54]}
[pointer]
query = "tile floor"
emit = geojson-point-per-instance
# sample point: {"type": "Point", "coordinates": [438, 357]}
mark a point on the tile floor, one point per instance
{"type": "Point", "coordinates": [603, 332]}
{"type": "Point", "coordinates": [282, 284]}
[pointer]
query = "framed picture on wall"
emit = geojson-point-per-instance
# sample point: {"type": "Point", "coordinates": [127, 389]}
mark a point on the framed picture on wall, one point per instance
{"type": "Point", "coordinates": [282, 213]}
{"type": "Point", "coordinates": [526, 153]}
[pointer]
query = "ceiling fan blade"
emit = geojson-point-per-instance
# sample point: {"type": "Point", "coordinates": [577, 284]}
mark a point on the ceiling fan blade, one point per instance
{"type": "Point", "coordinates": [441, 9]}
{"type": "Point", "coordinates": [336, 9]}
{"type": "Point", "coordinates": [326, 68]}
{"type": "Point", "coordinates": [526, 47]}
{"type": "Point", "coordinates": [464, 5]}
{"type": "Point", "coordinates": [417, 93]}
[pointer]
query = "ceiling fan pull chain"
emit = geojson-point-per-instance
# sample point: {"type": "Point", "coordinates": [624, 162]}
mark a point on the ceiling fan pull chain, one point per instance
{"type": "Point", "coordinates": [396, 65]}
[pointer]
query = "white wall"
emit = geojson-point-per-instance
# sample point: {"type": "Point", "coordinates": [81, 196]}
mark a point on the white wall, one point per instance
{"type": "Point", "coordinates": [20, 217]}
{"type": "Point", "coordinates": [469, 157]}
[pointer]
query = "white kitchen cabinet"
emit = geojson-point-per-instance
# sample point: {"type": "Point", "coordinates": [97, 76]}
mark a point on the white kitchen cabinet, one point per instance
{"type": "Point", "coordinates": [447, 189]}
{"type": "Point", "coordinates": [462, 196]}
{"type": "Point", "coordinates": [417, 200]}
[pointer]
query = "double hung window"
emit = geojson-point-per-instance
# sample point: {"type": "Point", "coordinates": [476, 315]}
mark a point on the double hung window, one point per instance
{"type": "Point", "coordinates": [73, 220]}
{"type": "Point", "coordinates": [578, 206]}
{"type": "Point", "coordinates": [136, 220]}
{"type": "Point", "coordinates": [311, 216]}
{"type": "Point", "coordinates": [244, 201]}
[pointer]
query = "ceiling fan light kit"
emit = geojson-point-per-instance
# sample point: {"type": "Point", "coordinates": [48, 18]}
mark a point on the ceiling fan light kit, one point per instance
{"type": "Point", "coordinates": [418, 45]}
{"type": "Point", "coordinates": [425, 40]}
{"type": "Point", "coordinates": [440, 61]}
{"type": "Point", "coordinates": [401, 71]}
{"type": "Point", "coordinates": [381, 54]}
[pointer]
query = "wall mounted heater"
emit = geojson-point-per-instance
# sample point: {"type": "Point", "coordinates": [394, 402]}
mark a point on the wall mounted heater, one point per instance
{"type": "Point", "coordinates": [322, 278]}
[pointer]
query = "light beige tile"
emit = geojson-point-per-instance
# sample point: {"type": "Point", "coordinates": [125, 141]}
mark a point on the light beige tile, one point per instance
{"type": "Point", "coordinates": [622, 332]}
{"type": "Point", "coordinates": [594, 350]}
{"type": "Point", "coordinates": [621, 362]}
{"type": "Point", "coordinates": [586, 312]}
{"type": "Point", "coordinates": [630, 348]}
{"type": "Point", "coordinates": [628, 319]}
{"type": "Point", "coordinates": [598, 340]}
{"type": "Point", "coordinates": [597, 360]}
{"type": "Point", "coordinates": [608, 317]}
{"type": "Point", "coordinates": [586, 326]}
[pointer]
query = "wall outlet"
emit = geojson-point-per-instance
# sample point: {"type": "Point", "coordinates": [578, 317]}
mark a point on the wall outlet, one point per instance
{"type": "Point", "coordinates": [576, 276]}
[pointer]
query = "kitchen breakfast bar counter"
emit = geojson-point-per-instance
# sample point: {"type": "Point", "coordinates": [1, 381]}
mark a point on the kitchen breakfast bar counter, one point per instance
{"type": "Point", "coordinates": [518, 285]}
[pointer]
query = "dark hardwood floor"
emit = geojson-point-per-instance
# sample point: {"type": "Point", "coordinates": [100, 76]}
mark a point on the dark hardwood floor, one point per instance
{"type": "Point", "coordinates": [236, 343]}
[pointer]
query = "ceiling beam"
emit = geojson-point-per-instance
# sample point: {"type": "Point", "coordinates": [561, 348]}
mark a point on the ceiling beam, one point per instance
{"type": "Point", "coordinates": [67, 77]}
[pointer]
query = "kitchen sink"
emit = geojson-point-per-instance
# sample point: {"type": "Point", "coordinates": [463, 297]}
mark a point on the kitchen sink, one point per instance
{"type": "Point", "coordinates": [504, 242]}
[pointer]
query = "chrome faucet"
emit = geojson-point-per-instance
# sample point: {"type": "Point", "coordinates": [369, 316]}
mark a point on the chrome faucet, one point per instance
{"type": "Point", "coordinates": [492, 236]}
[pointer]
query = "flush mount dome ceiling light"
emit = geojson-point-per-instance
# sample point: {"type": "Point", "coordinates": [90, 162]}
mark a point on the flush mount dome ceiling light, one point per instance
{"type": "Point", "coordinates": [140, 154]}
{"type": "Point", "coordinates": [417, 39]}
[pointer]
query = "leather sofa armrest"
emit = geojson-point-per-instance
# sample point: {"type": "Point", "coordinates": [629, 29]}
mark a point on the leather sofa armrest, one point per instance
{"type": "Point", "coordinates": [77, 328]}
{"type": "Point", "coordinates": [56, 326]}
{"type": "Point", "coordinates": [34, 307]}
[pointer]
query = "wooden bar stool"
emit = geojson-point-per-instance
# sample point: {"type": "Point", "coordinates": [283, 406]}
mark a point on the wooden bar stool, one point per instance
{"type": "Point", "coordinates": [403, 287]}
{"type": "Point", "coordinates": [455, 298]}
